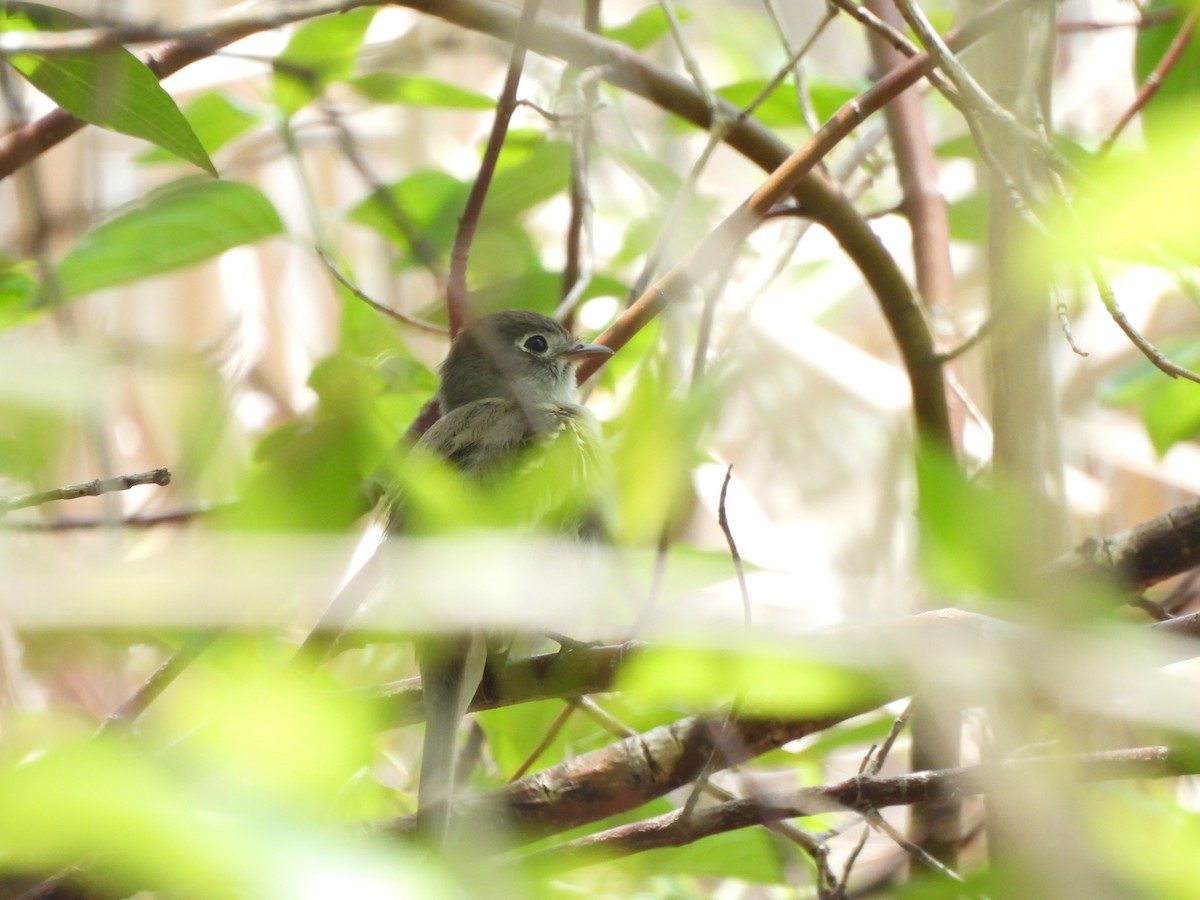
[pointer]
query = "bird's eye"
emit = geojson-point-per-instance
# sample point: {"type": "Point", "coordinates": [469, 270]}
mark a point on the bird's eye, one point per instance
{"type": "Point", "coordinates": [535, 343]}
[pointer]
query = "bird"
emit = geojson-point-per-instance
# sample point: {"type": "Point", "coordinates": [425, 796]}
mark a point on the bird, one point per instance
{"type": "Point", "coordinates": [511, 428]}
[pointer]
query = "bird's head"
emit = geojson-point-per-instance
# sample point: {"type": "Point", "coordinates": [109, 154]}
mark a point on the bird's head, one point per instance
{"type": "Point", "coordinates": [513, 355]}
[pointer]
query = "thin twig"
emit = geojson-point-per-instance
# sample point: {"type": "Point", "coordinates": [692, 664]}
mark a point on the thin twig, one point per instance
{"type": "Point", "coordinates": [371, 302]}
{"type": "Point", "coordinates": [187, 652]}
{"type": "Point", "coordinates": [1153, 81]}
{"type": "Point", "coordinates": [552, 731]}
{"type": "Point", "coordinates": [916, 851]}
{"type": "Point", "coordinates": [723, 521]}
{"type": "Point", "coordinates": [457, 302]}
{"type": "Point", "coordinates": [94, 488]}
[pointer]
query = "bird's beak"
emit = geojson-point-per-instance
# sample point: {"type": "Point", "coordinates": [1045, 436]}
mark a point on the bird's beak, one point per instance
{"type": "Point", "coordinates": [586, 351]}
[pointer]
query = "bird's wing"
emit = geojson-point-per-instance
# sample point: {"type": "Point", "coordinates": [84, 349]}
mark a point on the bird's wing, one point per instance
{"type": "Point", "coordinates": [478, 436]}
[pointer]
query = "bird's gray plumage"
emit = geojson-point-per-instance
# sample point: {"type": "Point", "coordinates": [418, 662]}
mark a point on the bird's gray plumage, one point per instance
{"type": "Point", "coordinates": [509, 422]}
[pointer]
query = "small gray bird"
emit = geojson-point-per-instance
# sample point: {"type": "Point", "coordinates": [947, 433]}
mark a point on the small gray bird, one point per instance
{"type": "Point", "coordinates": [509, 421]}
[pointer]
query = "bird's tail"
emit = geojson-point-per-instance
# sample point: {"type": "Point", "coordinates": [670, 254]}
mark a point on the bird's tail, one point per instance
{"type": "Point", "coordinates": [451, 670]}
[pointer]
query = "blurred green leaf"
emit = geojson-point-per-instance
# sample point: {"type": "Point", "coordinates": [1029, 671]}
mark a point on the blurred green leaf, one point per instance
{"type": "Point", "coordinates": [110, 88]}
{"type": "Point", "coordinates": [177, 225]}
{"type": "Point", "coordinates": [780, 109]}
{"type": "Point", "coordinates": [216, 117]}
{"type": "Point", "coordinates": [1170, 407]}
{"type": "Point", "coordinates": [319, 52]}
{"type": "Point", "coordinates": [1133, 214]}
{"type": "Point", "coordinates": [1179, 90]}
{"type": "Point", "coordinates": [648, 25]}
{"type": "Point", "coordinates": [417, 90]}
{"type": "Point", "coordinates": [827, 97]}
{"type": "Point", "coordinates": [537, 289]}
{"type": "Point", "coordinates": [513, 732]}
{"type": "Point", "coordinates": [423, 207]}
{"type": "Point", "coordinates": [531, 169]}
{"type": "Point", "coordinates": [267, 728]}
{"type": "Point", "coordinates": [108, 802]}
{"type": "Point", "coordinates": [18, 292]}
{"type": "Point", "coordinates": [747, 854]}
{"type": "Point", "coordinates": [971, 535]}
{"type": "Point", "coordinates": [969, 218]}
{"type": "Point", "coordinates": [1146, 839]}
{"type": "Point", "coordinates": [765, 678]}
{"type": "Point", "coordinates": [309, 475]}
{"type": "Point", "coordinates": [654, 446]}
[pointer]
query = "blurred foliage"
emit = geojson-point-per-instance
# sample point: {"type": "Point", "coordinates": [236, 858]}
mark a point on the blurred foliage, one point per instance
{"type": "Point", "coordinates": [1170, 408]}
{"type": "Point", "coordinates": [251, 776]}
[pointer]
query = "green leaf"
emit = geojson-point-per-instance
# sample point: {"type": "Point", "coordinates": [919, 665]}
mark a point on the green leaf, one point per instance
{"type": "Point", "coordinates": [175, 226]}
{"type": "Point", "coordinates": [1180, 88]}
{"type": "Point", "coordinates": [648, 25]}
{"type": "Point", "coordinates": [827, 97]}
{"type": "Point", "coordinates": [320, 52]}
{"type": "Point", "coordinates": [18, 292]}
{"type": "Point", "coordinates": [747, 854]}
{"type": "Point", "coordinates": [780, 109]}
{"type": "Point", "coordinates": [1172, 414]}
{"type": "Point", "coordinates": [417, 90]}
{"type": "Point", "coordinates": [1134, 212]}
{"type": "Point", "coordinates": [1170, 407]}
{"type": "Point", "coordinates": [110, 88]}
{"type": "Point", "coordinates": [765, 678]}
{"type": "Point", "coordinates": [969, 218]}
{"type": "Point", "coordinates": [971, 534]}
{"type": "Point", "coordinates": [424, 207]}
{"type": "Point", "coordinates": [216, 117]}
{"type": "Point", "coordinates": [530, 170]}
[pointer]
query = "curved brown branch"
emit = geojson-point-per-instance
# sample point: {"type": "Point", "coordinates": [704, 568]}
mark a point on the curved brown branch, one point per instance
{"type": "Point", "coordinates": [624, 775]}
{"type": "Point", "coordinates": [864, 794]}
{"type": "Point", "coordinates": [1144, 555]}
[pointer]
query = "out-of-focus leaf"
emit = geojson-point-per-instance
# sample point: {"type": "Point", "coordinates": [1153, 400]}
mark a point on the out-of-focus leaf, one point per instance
{"type": "Point", "coordinates": [765, 679]}
{"type": "Point", "coordinates": [417, 90]}
{"type": "Point", "coordinates": [662, 178]}
{"type": "Point", "coordinates": [320, 52]}
{"type": "Point", "coordinates": [89, 799]}
{"type": "Point", "coordinates": [1129, 823]}
{"type": "Point", "coordinates": [537, 289]}
{"type": "Point", "coordinates": [969, 218]}
{"type": "Point", "coordinates": [1134, 214]}
{"type": "Point", "coordinates": [654, 450]}
{"type": "Point", "coordinates": [309, 475]}
{"type": "Point", "coordinates": [1180, 89]}
{"type": "Point", "coordinates": [970, 534]}
{"type": "Point", "coordinates": [110, 88]}
{"type": "Point", "coordinates": [178, 225]}
{"type": "Point", "coordinates": [18, 292]}
{"type": "Point", "coordinates": [747, 854]}
{"type": "Point", "coordinates": [779, 109]}
{"type": "Point", "coordinates": [530, 170]}
{"type": "Point", "coordinates": [295, 745]}
{"type": "Point", "coordinates": [827, 97]}
{"type": "Point", "coordinates": [1170, 407]}
{"type": "Point", "coordinates": [427, 205]}
{"type": "Point", "coordinates": [216, 117]}
{"type": "Point", "coordinates": [648, 25]}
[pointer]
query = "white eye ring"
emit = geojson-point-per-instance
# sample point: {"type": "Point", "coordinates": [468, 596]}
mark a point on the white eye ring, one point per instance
{"type": "Point", "coordinates": [536, 344]}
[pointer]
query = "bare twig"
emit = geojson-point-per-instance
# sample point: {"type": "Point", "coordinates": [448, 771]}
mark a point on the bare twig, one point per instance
{"type": "Point", "coordinates": [547, 739]}
{"type": "Point", "coordinates": [457, 302]}
{"type": "Point", "coordinates": [94, 488]}
{"type": "Point", "coordinates": [723, 521]}
{"type": "Point", "coordinates": [192, 646]}
{"type": "Point", "coordinates": [1153, 81]}
{"type": "Point", "coordinates": [371, 302]}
